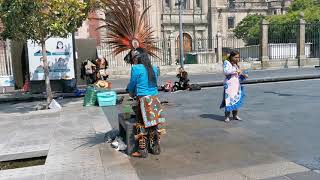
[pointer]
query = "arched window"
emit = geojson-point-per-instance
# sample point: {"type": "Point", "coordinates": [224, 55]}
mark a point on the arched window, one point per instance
{"type": "Point", "coordinates": [187, 43]}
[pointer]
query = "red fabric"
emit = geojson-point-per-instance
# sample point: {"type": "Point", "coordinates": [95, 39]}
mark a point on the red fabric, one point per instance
{"type": "Point", "coordinates": [26, 86]}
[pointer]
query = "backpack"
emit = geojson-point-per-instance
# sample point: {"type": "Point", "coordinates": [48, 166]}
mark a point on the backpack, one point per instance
{"type": "Point", "coordinates": [194, 87]}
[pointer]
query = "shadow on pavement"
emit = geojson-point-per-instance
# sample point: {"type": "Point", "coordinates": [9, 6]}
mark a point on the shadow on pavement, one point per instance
{"type": "Point", "coordinates": [213, 117]}
{"type": "Point", "coordinates": [288, 94]}
{"type": "Point", "coordinates": [91, 141]}
{"type": "Point", "coordinates": [27, 107]}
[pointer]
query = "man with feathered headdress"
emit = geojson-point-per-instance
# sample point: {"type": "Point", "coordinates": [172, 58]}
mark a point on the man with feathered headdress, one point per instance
{"type": "Point", "coordinates": [127, 31]}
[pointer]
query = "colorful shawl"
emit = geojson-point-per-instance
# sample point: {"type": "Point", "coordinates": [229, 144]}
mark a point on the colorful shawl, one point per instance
{"type": "Point", "coordinates": [152, 112]}
{"type": "Point", "coordinates": [233, 91]}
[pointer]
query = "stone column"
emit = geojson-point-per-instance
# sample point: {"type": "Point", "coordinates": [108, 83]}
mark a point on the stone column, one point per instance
{"type": "Point", "coordinates": [8, 57]}
{"type": "Point", "coordinates": [165, 48]}
{"type": "Point", "coordinates": [204, 6]}
{"type": "Point", "coordinates": [212, 30]}
{"type": "Point", "coordinates": [194, 4]}
{"type": "Point", "coordinates": [200, 39]}
{"type": "Point", "coordinates": [219, 48]}
{"type": "Point", "coordinates": [301, 56]}
{"type": "Point", "coordinates": [190, 4]}
{"type": "Point", "coordinates": [264, 58]}
{"type": "Point", "coordinates": [195, 39]}
{"type": "Point", "coordinates": [172, 48]}
{"type": "Point", "coordinates": [173, 4]}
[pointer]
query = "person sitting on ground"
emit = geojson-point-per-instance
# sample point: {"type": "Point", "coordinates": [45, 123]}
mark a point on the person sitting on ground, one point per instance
{"type": "Point", "coordinates": [183, 79]}
{"type": "Point", "coordinates": [103, 65]}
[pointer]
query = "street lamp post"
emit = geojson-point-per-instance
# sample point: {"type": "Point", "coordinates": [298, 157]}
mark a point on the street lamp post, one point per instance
{"type": "Point", "coordinates": [179, 3]}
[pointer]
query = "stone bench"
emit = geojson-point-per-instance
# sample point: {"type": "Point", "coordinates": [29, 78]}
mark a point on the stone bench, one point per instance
{"type": "Point", "coordinates": [127, 132]}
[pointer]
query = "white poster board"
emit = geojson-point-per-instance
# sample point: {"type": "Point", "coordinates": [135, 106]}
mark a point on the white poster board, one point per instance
{"type": "Point", "coordinates": [60, 59]}
{"type": "Point", "coordinates": [6, 81]}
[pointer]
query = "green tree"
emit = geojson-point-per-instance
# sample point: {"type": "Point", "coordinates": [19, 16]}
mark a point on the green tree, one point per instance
{"type": "Point", "coordinates": [282, 27]}
{"type": "Point", "coordinates": [248, 29]}
{"type": "Point", "coordinates": [39, 20]}
{"type": "Point", "coordinates": [298, 5]}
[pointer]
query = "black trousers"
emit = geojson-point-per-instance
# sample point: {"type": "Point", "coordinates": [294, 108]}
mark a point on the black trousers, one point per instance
{"type": "Point", "coordinates": [234, 113]}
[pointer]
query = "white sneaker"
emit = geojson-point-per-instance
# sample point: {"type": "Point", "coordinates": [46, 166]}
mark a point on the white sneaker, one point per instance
{"type": "Point", "coordinates": [227, 119]}
{"type": "Point", "coordinates": [237, 118]}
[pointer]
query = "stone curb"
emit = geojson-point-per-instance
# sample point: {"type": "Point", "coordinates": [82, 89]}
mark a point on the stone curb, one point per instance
{"type": "Point", "coordinates": [202, 84]}
{"type": "Point", "coordinates": [263, 80]}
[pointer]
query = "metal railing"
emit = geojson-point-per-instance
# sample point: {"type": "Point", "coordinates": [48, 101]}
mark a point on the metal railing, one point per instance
{"type": "Point", "coordinates": [282, 40]}
{"type": "Point", "coordinates": [201, 50]}
{"type": "Point", "coordinates": [312, 35]}
{"type": "Point", "coordinates": [247, 52]}
{"type": "Point", "coordinates": [237, 5]}
{"type": "Point", "coordinates": [282, 44]}
{"type": "Point", "coordinates": [163, 55]}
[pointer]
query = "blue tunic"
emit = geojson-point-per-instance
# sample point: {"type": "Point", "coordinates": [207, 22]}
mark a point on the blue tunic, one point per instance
{"type": "Point", "coordinates": [139, 82]}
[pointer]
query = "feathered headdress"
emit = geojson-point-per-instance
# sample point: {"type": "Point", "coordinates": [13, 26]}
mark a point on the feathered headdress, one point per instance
{"type": "Point", "coordinates": [126, 27]}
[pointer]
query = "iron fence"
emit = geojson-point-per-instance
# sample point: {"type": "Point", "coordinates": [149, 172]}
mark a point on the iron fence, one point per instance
{"type": "Point", "coordinates": [282, 40]}
{"type": "Point", "coordinates": [312, 35]}
{"type": "Point", "coordinates": [163, 55]}
{"type": "Point", "coordinates": [247, 52]}
{"type": "Point", "coordinates": [197, 51]}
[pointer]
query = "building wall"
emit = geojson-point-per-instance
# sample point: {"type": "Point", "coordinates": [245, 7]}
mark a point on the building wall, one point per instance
{"type": "Point", "coordinates": [210, 17]}
{"type": "Point", "coordinates": [83, 31]}
{"type": "Point", "coordinates": [201, 18]}
{"type": "Point", "coordinates": [88, 30]}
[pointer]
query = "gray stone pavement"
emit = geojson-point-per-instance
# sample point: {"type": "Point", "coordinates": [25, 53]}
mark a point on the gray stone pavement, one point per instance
{"type": "Point", "coordinates": [308, 175]}
{"type": "Point", "coordinates": [277, 139]}
{"type": "Point", "coordinates": [218, 77]}
{"type": "Point", "coordinates": [18, 138]}
{"type": "Point", "coordinates": [73, 140]}
{"type": "Point", "coordinates": [205, 79]}
{"type": "Point", "coordinates": [280, 124]}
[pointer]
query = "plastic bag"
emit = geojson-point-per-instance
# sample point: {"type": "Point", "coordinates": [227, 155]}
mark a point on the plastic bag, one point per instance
{"type": "Point", "coordinates": [243, 76]}
{"type": "Point", "coordinates": [194, 87]}
{"type": "Point", "coordinates": [54, 105]}
{"type": "Point", "coordinates": [118, 144]}
{"type": "Point", "coordinates": [111, 135]}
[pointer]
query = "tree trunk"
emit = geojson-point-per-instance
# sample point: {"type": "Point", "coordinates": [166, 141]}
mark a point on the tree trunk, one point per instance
{"type": "Point", "coordinates": [46, 73]}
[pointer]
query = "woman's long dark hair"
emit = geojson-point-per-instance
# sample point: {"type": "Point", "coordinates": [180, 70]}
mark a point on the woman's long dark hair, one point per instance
{"type": "Point", "coordinates": [143, 58]}
{"type": "Point", "coordinates": [233, 53]}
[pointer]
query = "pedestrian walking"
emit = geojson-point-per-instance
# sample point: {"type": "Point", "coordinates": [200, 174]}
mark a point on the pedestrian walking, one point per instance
{"type": "Point", "coordinates": [233, 94]}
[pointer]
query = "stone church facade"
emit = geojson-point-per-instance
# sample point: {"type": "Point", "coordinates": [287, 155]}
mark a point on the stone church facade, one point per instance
{"type": "Point", "coordinates": [202, 19]}
{"type": "Point", "coordinates": [205, 18]}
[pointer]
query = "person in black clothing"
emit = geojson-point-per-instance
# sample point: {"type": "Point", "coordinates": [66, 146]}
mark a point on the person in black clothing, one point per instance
{"type": "Point", "coordinates": [184, 80]}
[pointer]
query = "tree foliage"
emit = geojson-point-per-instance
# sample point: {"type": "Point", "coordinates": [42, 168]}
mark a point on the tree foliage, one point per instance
{"type": "Point", "coordinates": [38, 20]}
{"type": "Point", "coordinates": [248, 29]}
{"type": "Point", "coordinates": [298, 5]}
{"type": "Point", "coordinates": [282, 27]}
